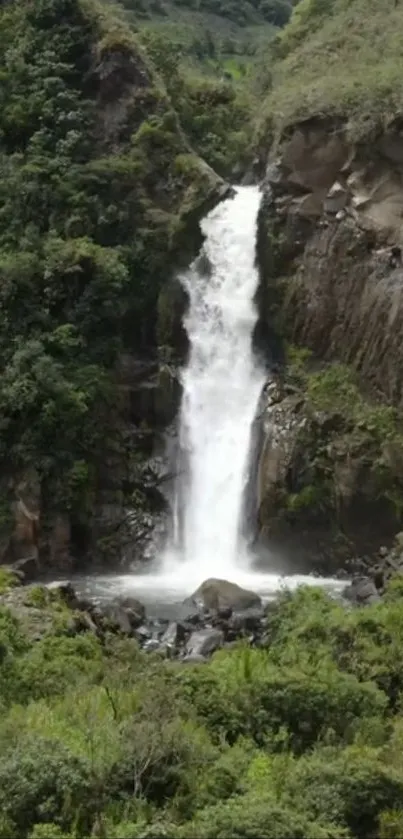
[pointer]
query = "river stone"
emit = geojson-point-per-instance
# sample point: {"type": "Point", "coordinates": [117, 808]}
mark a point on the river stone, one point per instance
{"type": "Point", "coordinates": [134, 609]}
{"type": "Point", "coordinates": [203, 642]}
{"type": "Point", "coordinates": [143, 634]}
{"type": "Point", "coordinates": [214, 595]}
{"type": "Point", "coordinates": [188, 612]}
{"type": "Point", "coordinates": [118, 618]}
{"type": "Point", "coordinates": [173, 635]}
{"type": "Point", "coordinates": [247, 620]}
{"type": "Point", "coordinates": [26, 569]}
{"type": "Point", "coordinates": [65, 591]}
{"type": "Point", "coordinates": [362, 591]}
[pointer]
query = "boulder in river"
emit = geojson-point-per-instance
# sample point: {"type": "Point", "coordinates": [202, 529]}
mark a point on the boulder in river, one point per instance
{"type": "Point", "coordinates": [203, 642]}
{"type": "Point", "coordinates": [134, 609]}
{"type": "Point", "coordinates": [124, 615]}
{"type": "Point", "coordinates": [215, 594]}
{"type": "Point", "coordinates": [174, 635]}
{"type": "Point", "coordinates": [249, 620]}
{"type": "Point", "coordinates": [362, 591]}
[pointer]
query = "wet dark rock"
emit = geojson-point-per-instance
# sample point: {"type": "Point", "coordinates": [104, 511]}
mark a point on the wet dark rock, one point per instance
{"type": "Point", "coordinates": [224, 613]}
{"type": "Point", "coordinates": [26, 568]}
{"type": "Point", "coordinates": [118, 618]}
{"type": "Point", "coordinates": [134, 609]}
{"type": "Point", "coordinates": [214, 595]}
{"type": "Point", "coordinates": [247, 621]}
{"type": "Point", "coordinates": [65, 592]}
{"type": "Point", "coordinates": [142, 633]}
{"type": "Point", "coordinates": [378, 576]}
{"type": "Point", "coordinates": [174, 635]}
{"type": "Point", "coordinates": [203, 642]}
{"type": "Point", "coordinates": [362, 591]}
{"type": "Point", "coordinates": [81, 622]}
{"type": "Point", "coordinates": [189, 612]}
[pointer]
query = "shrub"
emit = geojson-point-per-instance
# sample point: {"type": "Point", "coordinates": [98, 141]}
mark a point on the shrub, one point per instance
{"type": "Point", "coordinates": [351, 788]}
{"type": "Point", "coordinates": [8, 579]}
{"type": "Point", "coordinates": [252, 817]}
{"type": "Point", "coordinates": [41, 781]}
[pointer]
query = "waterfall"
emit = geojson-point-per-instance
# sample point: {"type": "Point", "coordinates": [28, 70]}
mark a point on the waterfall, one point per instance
{"type": "Point", "coordinates": [222, 383]}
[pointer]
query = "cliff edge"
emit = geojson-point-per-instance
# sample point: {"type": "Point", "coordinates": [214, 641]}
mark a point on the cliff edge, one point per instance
{"type": "Point", "coordinates": [330, 250]}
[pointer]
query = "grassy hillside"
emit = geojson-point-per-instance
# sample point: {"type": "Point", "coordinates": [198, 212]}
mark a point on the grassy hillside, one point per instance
{"type": "Point", "coordinates": [205, 28]}
{"type": "Point", "coordinates": [339, 57]}
{"type": "Point", "coordinates": [214, 37]}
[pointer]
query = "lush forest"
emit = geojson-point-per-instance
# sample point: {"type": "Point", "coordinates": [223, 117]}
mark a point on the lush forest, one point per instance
{"type": "Point", "coordinates": [114, 140]}
{"type": "Point", "coordinates": [98, 185]}
{"type": "Point", "coordinates": [301, 737]}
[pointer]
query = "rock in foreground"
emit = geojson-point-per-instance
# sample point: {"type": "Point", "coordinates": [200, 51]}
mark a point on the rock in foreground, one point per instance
{"type": "Point", "coordinates": [204, 642]}
{"type": "Point", "coordinates": [214, 595]}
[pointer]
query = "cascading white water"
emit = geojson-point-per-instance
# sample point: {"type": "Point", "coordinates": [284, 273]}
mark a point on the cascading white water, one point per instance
{"type": "Point", "coordinates": [221, 387]}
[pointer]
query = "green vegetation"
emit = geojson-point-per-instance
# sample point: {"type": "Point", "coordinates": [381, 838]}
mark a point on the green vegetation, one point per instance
{"type": "Point", "coordinates": [276, 12]}
{"type": "Point", "coordinates": [8, 579]}
{"type": "Point", "coordinates": [339, 59]}
{"type": "Point", "coordinates": [215, 115]}
{"type": "Point", "coordinates": [299, 738]}
{"type": "Point", "coordinates": [346, 452]}
{"type": "Point", "coordinates": [211, 30]}
{"type": "Point", "coordinates": [92, 204]}
{"type": "Point", "coordinates": [335, 388]}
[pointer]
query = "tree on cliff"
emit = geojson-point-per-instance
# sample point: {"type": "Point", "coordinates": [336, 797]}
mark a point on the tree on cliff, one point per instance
{"type": "Point", "coordinates": [96, 174]}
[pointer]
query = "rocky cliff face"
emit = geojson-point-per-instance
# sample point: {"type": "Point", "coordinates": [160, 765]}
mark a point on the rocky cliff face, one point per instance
{"type": "Point", "coordinates": [330, 237]}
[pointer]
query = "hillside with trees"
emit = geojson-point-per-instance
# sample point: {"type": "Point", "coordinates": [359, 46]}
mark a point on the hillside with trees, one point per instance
{"type": "Point", "coordinates": [99, 185]}
{"type": "Point", "coordinates": [114, 142]}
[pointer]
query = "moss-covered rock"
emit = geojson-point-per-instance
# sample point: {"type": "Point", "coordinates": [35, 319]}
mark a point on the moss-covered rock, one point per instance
{"type": "Point", "coordinates": [330, 474]}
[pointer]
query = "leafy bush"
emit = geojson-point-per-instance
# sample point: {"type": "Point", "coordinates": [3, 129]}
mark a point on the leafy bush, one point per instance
{"type": "Point", "coordinates": [350, 789]}
{"type": "Point", "coordinates": [256, 817]}
{"type": "Point", "coordinates": [292, 739]}
{"type": "Point", "coordinates": [41, 780]}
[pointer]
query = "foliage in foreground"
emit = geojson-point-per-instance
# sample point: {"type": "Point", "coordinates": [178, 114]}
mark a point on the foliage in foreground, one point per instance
{"type": "Point", "coordinates": [302, 737]}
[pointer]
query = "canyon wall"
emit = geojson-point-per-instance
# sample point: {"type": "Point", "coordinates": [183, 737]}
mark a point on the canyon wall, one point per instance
{"type": "Point", "coordinates": [330, 238]}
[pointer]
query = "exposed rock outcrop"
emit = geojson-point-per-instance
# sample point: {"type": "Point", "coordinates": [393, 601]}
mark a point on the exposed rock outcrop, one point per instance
{"type": "Point", "coordinates": [221, 594]}
{"type": "Point", "coordinates": [329, 247]}
{"type": "Point", "coordinates": [330, 233]}
{"type": "Point", "coordinates": [330, 477]}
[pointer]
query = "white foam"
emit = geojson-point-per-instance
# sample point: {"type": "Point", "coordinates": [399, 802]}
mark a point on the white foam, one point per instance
{"type": "Point", "coordinates": [221, 387]}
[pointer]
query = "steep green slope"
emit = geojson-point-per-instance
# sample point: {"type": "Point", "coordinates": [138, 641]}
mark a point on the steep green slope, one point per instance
{"type": "Point", "coordinates": [339, 57]}
{"type": "Point", "coordinates": [98, 187]}
{"type": "Point", "coordinates": [207, 28]}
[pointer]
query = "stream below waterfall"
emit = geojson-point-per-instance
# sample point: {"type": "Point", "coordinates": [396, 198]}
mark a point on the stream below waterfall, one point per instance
{"type": "Point", "coordinates": [222, 383]}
